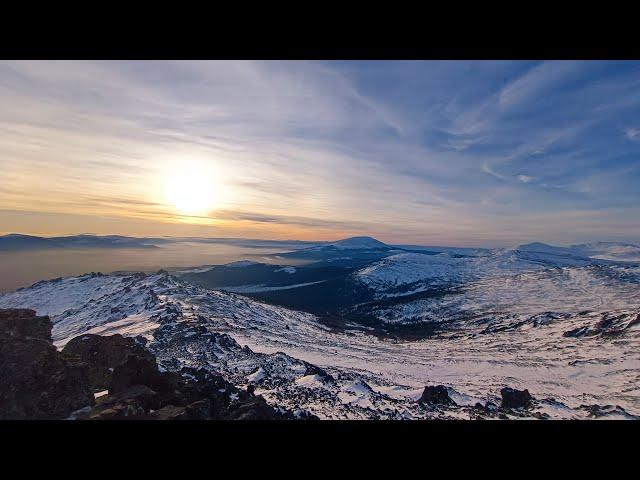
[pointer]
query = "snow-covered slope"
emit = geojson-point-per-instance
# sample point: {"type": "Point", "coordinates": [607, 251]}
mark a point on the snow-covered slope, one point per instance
{"type": "Point", "coordinates": [96, 303]}
{"type": "Point", "coordinates": [613, 251]}
{"type": "Point", "coordinates": [409, 268]}
{"type": "Point", "coordinates": [418, 272]}
{"type": "Point", "coordinates": [624, 252]}
{"type": "Point", "coordinates": [575, 356]}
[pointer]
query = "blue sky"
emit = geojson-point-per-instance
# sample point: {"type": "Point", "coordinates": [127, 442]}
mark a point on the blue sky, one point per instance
{"type": "Point", "coordinates": [461, 153]}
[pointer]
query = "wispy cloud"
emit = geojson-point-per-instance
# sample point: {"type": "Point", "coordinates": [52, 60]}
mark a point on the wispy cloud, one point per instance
{"type": "Point", "coordinates": [632, 134]}
{"type": "Point", "coordinates": [396, 149]}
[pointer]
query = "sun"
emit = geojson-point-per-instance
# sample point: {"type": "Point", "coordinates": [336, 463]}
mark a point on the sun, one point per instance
{"type": "Point", "coordinates": [192, 190]}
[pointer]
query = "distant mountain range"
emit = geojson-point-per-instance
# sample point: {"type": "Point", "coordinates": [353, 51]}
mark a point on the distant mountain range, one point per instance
{"type": "Point", "coordinates": [354, 247]}
{"type": "Point", "coordinates": [16, 241]}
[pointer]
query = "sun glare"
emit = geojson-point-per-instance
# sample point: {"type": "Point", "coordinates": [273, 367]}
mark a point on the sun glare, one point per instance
{"type": "Point", "coordinates": [191, 190]}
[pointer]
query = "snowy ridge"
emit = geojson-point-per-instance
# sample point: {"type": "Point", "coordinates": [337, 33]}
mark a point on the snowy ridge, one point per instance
{"type": "Point", "coordinates": [423, 271]}
{"type": "Point", "coordinates": [613, 251]}
{"type": "Point", "coordinates": [625, 252]}
{"type": "Point", "coordinates": [408, 268]}
{"type": "Point", "coordinates": [442, 270]}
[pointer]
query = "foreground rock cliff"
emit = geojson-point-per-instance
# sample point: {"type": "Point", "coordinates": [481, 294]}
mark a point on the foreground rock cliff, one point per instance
{"type": "Point", "coordinates": [107, 377]}
{"type": "Point", "coordinates": [36, 381]}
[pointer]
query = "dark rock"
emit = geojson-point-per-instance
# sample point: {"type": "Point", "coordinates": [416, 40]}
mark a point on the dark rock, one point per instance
{"type": "Point", "coordinates": [37, 381]}
{"type": "Point", "coordinates": [597, 411]}
{"type": "Point", "coordinates": [23, 323]}
{"type": "Point", "coordinates": [200, 410]}
{"type": "Point", "coordinates": [323, 374]}
{"type": "Point", "coordinates": [436, 395]}
{"type": "Point", "coordinates": [512, 398]}
{"type": "Point", "coordinates": [132, 403]}
{"type": "Point", "coordinates": [255, 408]}
{"type": "Point", "coordinates": [103, 354]}
{"type": "Point", "coordinates": [40, 382]}
{"type": "Point", "coordinates": [170, 412]}
{"type": "Point", "coordinates": [576, 332]}
{"type": "Point", "coordinates": [135, 371]}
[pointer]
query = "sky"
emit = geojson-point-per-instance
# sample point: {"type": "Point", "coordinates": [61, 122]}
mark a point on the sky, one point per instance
{"type": "Point", "coordinates": [460, 153]}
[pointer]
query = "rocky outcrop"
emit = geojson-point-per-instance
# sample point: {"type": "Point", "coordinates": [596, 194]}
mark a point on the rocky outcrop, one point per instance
{"type": "Point", "coordinates": [137, 371]}
{"type": "Point", "coordinates": [606, 411]}
{"type": "Point", "coordinates": [512, 398]}
{"type": "Point", "coordinates": [22, 323]}
{"type": "Point", "coordinates": [103, 354]}
{"type": "Point", "coordinates": [36, 381]}
{"type": "Point", "coordinates": [611, 325]}
{"type": "Point", "coordinates": [139, 391]}
{"type": "Point", "coordinates": [436, 395]}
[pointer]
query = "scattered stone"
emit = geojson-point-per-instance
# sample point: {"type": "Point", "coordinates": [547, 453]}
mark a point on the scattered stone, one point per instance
{"type": "Point", "coordinates": [597, 411]}
{"type": "Point", "coordinates": [255, 408]}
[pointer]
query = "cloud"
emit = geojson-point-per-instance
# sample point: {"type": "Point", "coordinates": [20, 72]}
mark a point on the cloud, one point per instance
{"type": "Point", "coordinates": [487, 169]}
{"type": "Point", "coordinates": [395, 148]}
{"type": "Point", "coordinates": [632, 134]}
{"type": "Point", "coordinates": [525, 178]}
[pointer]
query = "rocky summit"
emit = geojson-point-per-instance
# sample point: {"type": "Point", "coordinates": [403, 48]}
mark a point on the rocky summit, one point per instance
{"type": "Point", "coordinates": [38, 382]}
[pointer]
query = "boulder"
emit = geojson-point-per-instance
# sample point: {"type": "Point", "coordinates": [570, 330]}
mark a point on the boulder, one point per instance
{"type": "Point", "coordinates": [37, 381]}
{"type": "Point", "coordinates": [23, 323]}
{"type": "Point", "coordinates": [436, 395]}
{"type": "Point", "coordinates": [512, 398]}
{"type": "Point", "coordinates": [134, 371]}
{"type": "Point", "coordinates": [103, 354]}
